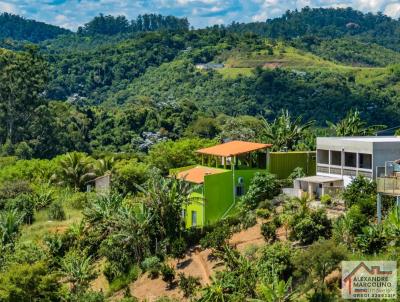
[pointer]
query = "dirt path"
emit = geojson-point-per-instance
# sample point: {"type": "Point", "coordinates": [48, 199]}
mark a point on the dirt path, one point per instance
{"type": "Point", "coordinates": [248, 237]}
{"type": "Point", "coordinates": [197, 257]}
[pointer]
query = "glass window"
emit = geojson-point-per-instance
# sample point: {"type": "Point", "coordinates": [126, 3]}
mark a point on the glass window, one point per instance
{"type": "Point", "coordinates": [365, 161]}
{"type": "Point", "coordinates": [350, 159]}
{"type": "Point", "coordinates": [239, 190]}
{"type": "Point", "coordinates": [194, 218]}
{"type": "Point", "coordinates": [323, 156]}
{"type": "Point", "coordinates": [336, 158]}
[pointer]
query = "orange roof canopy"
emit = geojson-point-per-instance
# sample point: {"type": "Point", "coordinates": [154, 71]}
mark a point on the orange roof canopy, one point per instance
{"type": "Point", "coordinates": [196, 174]}
{"type": "Point", "coordinates": [233, 148]}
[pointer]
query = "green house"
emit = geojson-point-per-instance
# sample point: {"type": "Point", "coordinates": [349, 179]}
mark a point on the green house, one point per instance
{"type": "Point", "coordinates": [221, 179]}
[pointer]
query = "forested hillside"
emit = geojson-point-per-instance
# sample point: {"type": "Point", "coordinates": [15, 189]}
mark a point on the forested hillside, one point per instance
{"type": "Point", "coordinates": [18, 28]}
{"type": "Point", "coordinates": [317, 63]}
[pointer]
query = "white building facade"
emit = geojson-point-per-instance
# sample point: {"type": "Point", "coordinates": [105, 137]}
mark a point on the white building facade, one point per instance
{"type": "Point", "coordinates": [341, 159]}
{"type": "Point", "coordinates": [348, 157]}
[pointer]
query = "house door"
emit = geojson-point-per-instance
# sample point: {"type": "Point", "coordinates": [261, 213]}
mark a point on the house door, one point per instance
{"type": "Point", "coordinates": [194, 218]}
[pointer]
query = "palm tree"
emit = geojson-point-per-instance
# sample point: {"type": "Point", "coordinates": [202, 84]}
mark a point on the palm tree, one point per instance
{"type": "Point", "coordinates": [284, 132]}
{"type": "Point", "coordinates": [76, 170]}
{"type": "Point", "coordinates": [301, 203]}
{"type": "Point", "coordinates": [353, 125]}
{"type": "Point", "coordinates": [102, 208]}
{"type": "Point", "coordinates": [132, 226]}
{"type": "Point", "coordinates": [128, 225]}
{"type": "Point", "coordinates": [104, 166]}
{"type": "Point", "coordinates": [10, 222]}
{"type": "Point", "coordinates": [164, 198]}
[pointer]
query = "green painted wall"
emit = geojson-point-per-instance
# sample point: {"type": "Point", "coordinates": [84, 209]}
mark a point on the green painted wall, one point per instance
{"type": "Point", "coordinates": [197, 202]}
{"type": "Point", "coordinates": [282, 164]}
{"type": "Point", "coordinates": [218, 193]}
{"type": "Point", "coordinates": [247, 177]}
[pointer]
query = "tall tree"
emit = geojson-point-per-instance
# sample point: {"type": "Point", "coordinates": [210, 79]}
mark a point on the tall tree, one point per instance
{"type": "Point", "coordinates": [22, 82]}
{"type": "Point", "coordinates": [75, 171]}
{"type": "Point", "coordinates": [284, 131]}
{"type": "Point", "coordinates": [353, 125]}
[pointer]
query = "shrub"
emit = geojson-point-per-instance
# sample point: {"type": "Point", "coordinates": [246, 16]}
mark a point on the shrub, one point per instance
{"type": "Point", "coordinates": [128, 174]}
{"type": "Point", "coordinates": [263, 186]}
{"type": "Point", "coordinates": [277, 220]}
{"type": "Point", "coordinates": [23, 204]}
{"type": "Point", "coordinates": [263, 213]}
{"type": "Point", "coordinates": [170, 154]}
{"type": "Point", "coordinates": [315, 263]}
{"type": "Point", "coordinates": [249, 219]}
{"type": "Point", "coordinates": [250, 251]}
{"type": "Point", "coordinates": [326, 199]}
{"type": "Point", "coordinates": [311, 227]}
{"type": "Point", "coordinates": [88, 296]}
{"type": "Point", "coordinates": [367, 206]}
{"type": "Point", "coordinates": [217, 238]}
{"type": "Point", "coordinates": [56, 245]}
{"type": "Point", "coordinates": [125, 279]}
{"type": "Point", "coordinates": [152, 265]}
{"type": "Point", "coordinates": [268, 230]}
{"type": "Point", "coordinates": [23, 151]}
{"type": "Point", "coordinates": [56, 211]}
{"type": "Point", "coordinates": [188, 285]}
{"type": "Point", "coordinates": [372, 239]}
{"type": "Point", "coordinates": [277, 258]}
{"type": "Point", "coordinates": [43, 197]}
{"type": "Point", "coordinates": [168, 274]}
{"type": "Point", "coordinates": [78, 200]}
{"type": "Point", "coordinates": [359, 188]}
{"type": "Point", "coordinates": [266, 204]}
{"type": "Point", "coordinates": [296, 173]}
{"type": "Point", "coordinates": [29, 282]}
{"type": "Point", "coordinates": [11, 189]}
{"type": "Point", "coordinates": [178, 248]}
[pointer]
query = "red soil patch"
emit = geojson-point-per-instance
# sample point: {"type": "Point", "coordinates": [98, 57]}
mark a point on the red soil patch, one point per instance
{"type": "Point", "coordinates": [196, 263]}
{"type": "Point", "coordinates": [245, 238]}
{"type": "Point", "coordinates": [150, 289]}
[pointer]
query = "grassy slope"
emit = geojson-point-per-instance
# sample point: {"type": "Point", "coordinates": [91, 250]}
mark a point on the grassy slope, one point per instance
{"type": "Point", "coordinates": [239, 63]}
{"type": "Point", "coordinates": [43, 225]}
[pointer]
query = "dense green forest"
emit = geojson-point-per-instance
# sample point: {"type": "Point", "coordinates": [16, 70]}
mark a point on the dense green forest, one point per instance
{"type": "Point", "coordinates": [136, 99]}
{"type": "Point", "coordinates": [116, 82]}
{"type": "Point", "coordinates": [17, 28]}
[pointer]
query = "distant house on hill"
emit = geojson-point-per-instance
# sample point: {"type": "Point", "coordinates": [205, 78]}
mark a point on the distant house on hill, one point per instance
{"type": "Point", "coordinates": [101, 184]}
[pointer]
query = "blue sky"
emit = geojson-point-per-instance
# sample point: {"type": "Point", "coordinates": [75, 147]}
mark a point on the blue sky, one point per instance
{"type": "Point", "coordinates": [201, 13]}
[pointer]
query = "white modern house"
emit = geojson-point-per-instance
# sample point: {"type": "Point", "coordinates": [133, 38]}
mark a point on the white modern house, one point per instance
{"type": "Point", "coordinates": [341, 159]}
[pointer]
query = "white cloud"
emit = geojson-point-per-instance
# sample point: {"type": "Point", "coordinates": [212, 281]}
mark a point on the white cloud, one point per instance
{"type": "Point", "coordinates": [393, 10]}
{"type": "Point", "coordinates": [8, 8]}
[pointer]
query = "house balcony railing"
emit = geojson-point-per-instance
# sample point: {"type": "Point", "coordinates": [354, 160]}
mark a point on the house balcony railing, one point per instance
{"type": "Point", "coordinates": [388, 185]}
{"type": "Point", "coordinates": [347, 171]}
